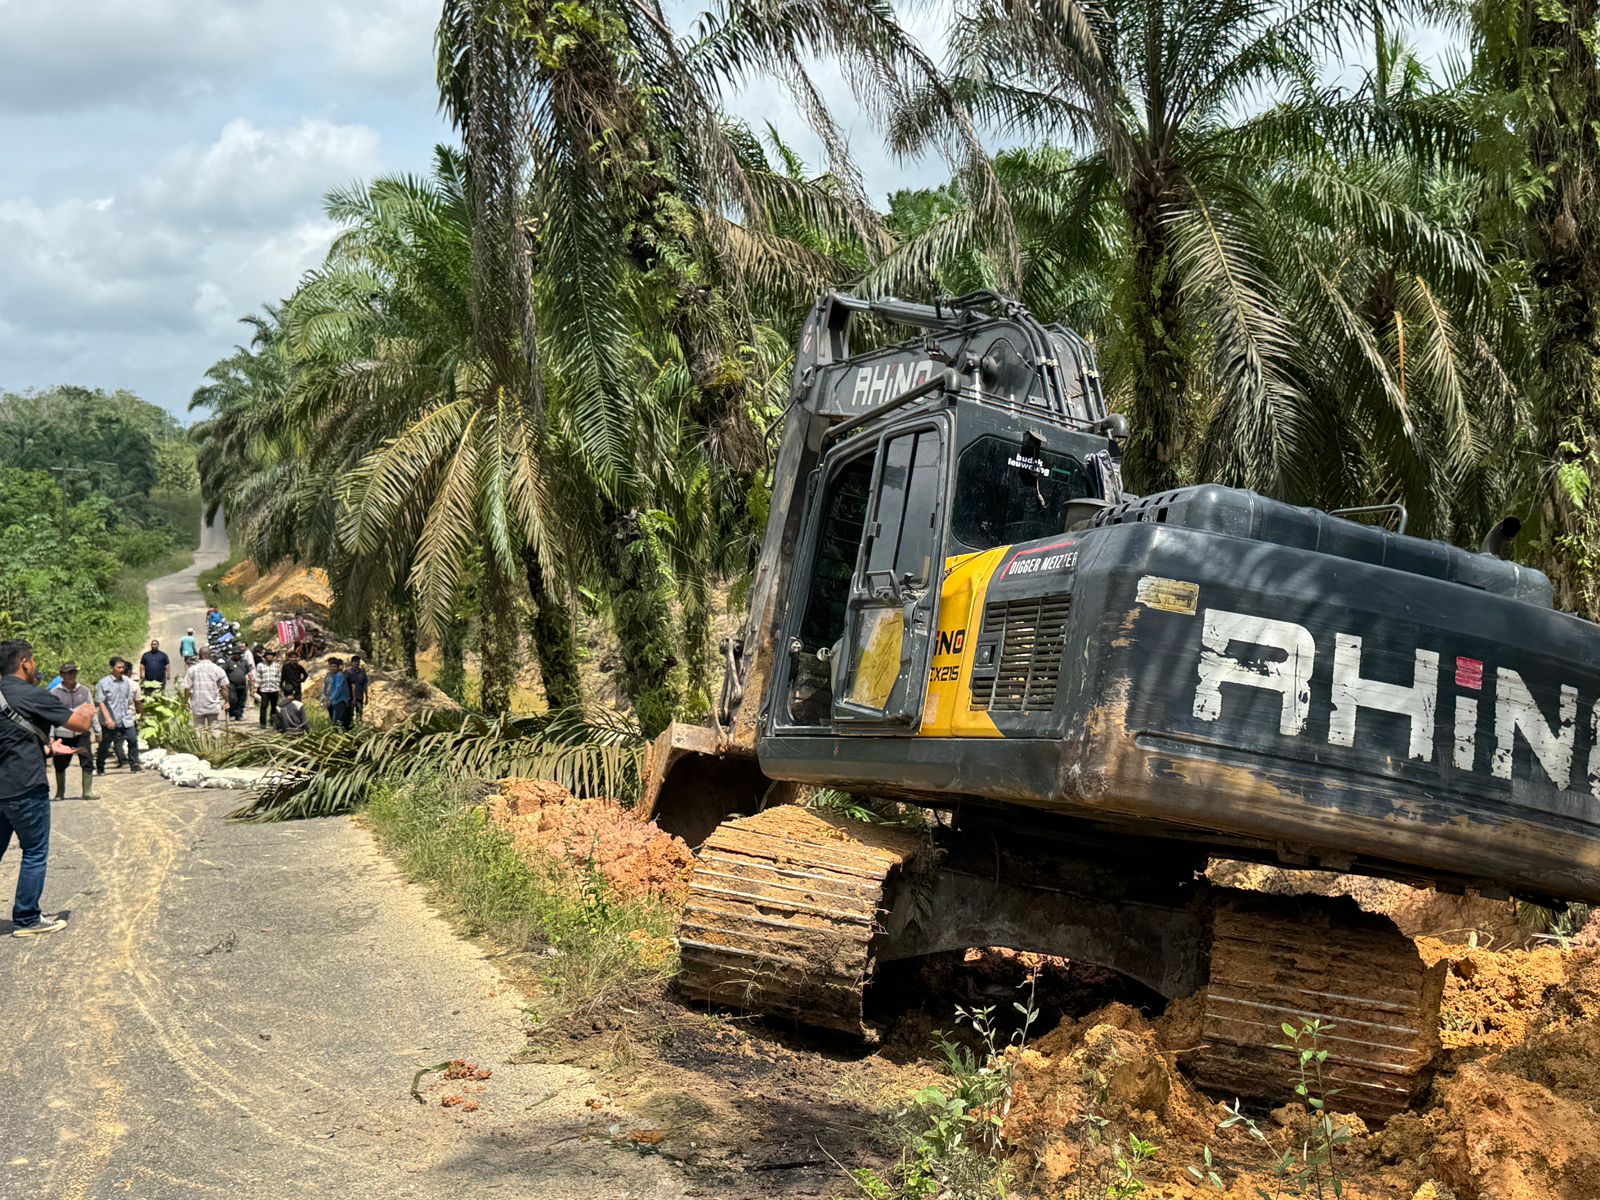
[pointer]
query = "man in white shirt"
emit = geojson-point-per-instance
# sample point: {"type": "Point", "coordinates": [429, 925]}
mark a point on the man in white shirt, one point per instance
{"type": "Point", "coordinates": [266, 679]}
{"type": "Point", "coordinates": [207, 685]}
{"type": "Point", "coordinates": [120, 704]}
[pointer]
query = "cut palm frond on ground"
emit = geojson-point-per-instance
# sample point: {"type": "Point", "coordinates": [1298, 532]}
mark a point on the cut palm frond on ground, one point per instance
{"type": "Point", "coordinates": [596, 753]}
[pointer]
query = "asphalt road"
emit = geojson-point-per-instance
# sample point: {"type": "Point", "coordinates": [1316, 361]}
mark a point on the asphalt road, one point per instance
{"type": "Point", "coordinates": [239, 1010]}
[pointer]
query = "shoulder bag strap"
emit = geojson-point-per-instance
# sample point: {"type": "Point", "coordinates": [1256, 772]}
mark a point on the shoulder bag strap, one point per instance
{"type": "Point", "coordinates": [21, 721]}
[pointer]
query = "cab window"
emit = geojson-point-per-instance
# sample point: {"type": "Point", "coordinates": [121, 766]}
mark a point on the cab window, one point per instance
{"type": "Point", "coordinates": [1010, 491]}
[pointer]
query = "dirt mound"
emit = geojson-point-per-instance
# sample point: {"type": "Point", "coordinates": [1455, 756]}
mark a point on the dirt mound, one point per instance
{"type": "Point", "coordinates": [1492, 996]}
{"type": "Point", "coordinates": [283, 590]}
{"type": "Point", "coordinates": [1419, 912]}
{"type": "Point", "coordinates": [635, 858]}
{"type": "Point", "coordinates": [241, 575]}
{"type": "Point", "coordinates": [1081, 1090]}
{"type": "Point", "coordinates": [392, 700]}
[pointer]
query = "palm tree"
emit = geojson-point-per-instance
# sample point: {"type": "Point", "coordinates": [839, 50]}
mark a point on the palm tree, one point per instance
{"type": "Point", "coordinates": [452, 469]}
{"type": "Point", "coordinates": [652, 239]}
{"type": "Point", "coordinates": [1536, 74]}
{"type": "Point", "coordinates": [1258, 266]}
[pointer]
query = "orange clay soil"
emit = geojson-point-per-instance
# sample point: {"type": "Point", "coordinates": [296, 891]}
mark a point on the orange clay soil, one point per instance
{"type": "Point", "coordinates": [1490, 997]}
{"type": "Point", "coordinates": [1513, 1115]}
{"type": "Point", "coordinates": [635, 858]}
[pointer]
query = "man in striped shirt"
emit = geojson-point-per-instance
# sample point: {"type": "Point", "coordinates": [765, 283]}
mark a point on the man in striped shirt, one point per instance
{"type": "Point", "coordinates": [266, 681]}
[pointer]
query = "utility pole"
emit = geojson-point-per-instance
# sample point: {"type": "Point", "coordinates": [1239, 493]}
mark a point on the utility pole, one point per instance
{"type": "Point", "coordinates": [63, 472]}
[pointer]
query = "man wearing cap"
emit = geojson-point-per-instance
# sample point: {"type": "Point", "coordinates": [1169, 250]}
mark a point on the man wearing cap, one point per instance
{"type": "Point", "coordinates": [336, 694]}
{"type": "Point", "coordinates": [120, 705]}
{"type": "Point", "coordinates": [187, 647]}
{"type": "Point", "coordinates": [26, 715]}
{"type": "Point", "coordinates": [74, 695]}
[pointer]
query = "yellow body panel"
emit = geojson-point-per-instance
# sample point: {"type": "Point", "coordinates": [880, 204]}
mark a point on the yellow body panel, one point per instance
{"type": "Point", "coordinates": [948, 710]}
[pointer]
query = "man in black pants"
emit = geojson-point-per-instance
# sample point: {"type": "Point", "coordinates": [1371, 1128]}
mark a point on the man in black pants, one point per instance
{"type": "Point", "coordinates": [120, 705]}
{"type": "Point", "coordinates": [26, 716]}
{"type": "Point", "coordinates": [74, 695]}
{"type": "Point", "coordinates": [359, 682]}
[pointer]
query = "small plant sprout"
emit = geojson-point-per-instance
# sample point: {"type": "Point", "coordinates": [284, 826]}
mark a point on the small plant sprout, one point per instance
{"type": "Point", "coordinates": [958, 1147]}
{"type": "Point", "coordinates": [1310, 1169]}
{"type": "Point", "coordinates": [1131, 1165]}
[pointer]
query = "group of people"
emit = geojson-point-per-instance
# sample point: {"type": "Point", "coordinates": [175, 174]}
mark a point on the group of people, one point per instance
{"type": "Point", "coordinates": [117, 701]}
{"type": "Point", "coordinates": [227, 672]}
{"type": "Point", "coordinates": [56, 724]}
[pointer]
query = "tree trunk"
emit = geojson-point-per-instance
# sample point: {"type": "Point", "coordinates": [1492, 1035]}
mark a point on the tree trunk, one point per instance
{"type": "Point", "coordinates": [1566, 271]}
{"type": "Point", "coordinates": [452, 679]}
{"type": "Point", "coordinates": [1156, 447]}
{"type": "Point", "coordinates": [497, 640]}
{"type": "Point", "coordinates": [364, 639]}
{"type": "Point", "coordinates": [641, 609]}
{"type": "Point", "coordinates": [550, 630]}
{"type": "Point", "coordinates": [406, 611]}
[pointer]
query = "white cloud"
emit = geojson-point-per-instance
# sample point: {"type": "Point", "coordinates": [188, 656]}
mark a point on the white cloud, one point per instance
{"type": "Point", "coordinates": [238, 279]}
{"type": "Point", "coordinates": [145, 286]}
{"type": "Point", "coordinates": [164, 54]}
{"type": "Point", "coordinates": [249, 174]}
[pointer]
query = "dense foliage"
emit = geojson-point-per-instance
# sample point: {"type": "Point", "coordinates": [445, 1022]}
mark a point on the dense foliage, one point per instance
{"type": "Point", "coordinates": [97, 490]}
{"type": "Point", "coordinates": [531, 386]}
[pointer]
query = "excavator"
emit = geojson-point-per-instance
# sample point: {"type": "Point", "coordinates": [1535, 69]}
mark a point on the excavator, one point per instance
{"type": "Point", "coordinates": [1089, 695]}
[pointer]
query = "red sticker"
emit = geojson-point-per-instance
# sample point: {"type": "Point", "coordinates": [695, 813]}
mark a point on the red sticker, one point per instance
{"type": "Point", "coordinates": [1469, 673]}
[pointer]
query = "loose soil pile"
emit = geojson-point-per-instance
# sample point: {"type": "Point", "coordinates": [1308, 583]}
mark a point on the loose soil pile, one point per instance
{"type": "Point", "coordinates": [636, 860]}
{"type": "Point", "coordinates": [392, 700]}
{"type": "Point", "coordinates": [1419, 912]}
{"type": "Point", "coordinates": [285, 589]}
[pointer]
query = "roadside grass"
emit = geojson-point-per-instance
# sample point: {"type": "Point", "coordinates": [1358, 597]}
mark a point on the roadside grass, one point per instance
{"type": "Point", "coordinates": [581, 941]}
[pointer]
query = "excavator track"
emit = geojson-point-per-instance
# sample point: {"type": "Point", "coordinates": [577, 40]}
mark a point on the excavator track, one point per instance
{"type": "Point", "coordinates": [1289, 960]}
{"type": "Point", "coordinates": [783, 912]}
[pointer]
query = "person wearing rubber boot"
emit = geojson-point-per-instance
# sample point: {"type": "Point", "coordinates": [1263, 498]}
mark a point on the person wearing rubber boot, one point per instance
{"type": "Point", "coordinates": [74, 695]}
{"type": "Point", "coordinates": [27, 712]}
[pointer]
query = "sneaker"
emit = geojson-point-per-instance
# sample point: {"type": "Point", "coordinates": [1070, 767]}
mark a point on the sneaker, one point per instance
{"type": "Point", "coordinates": [53, 925]}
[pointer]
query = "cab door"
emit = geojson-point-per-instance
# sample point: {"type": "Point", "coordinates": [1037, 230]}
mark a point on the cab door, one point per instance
{"type": "Point", "coordinates": [881, 678]}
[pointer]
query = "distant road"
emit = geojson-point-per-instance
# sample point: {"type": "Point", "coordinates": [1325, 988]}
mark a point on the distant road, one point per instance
{"type": "Point", "coordinates": [239, 1010]}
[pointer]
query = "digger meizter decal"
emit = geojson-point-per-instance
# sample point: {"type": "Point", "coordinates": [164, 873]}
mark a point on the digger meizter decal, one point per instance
{"type": "Point", "coordinates": [1290, 657]}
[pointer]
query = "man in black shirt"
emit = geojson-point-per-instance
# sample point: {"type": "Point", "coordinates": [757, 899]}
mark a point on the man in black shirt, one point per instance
{"type": "Point", "coordinates": [293, 677]}
{"type": "Point", "coordinates": [153, 665]}
{"type": "Point", "coordinates": [25, 720]}
{"type": "Point", "coordinates": [359, 682]}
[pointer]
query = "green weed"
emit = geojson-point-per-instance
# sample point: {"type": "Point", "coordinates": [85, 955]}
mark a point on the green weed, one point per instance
{"type": "Point", "coordinates": [571, 926]}
{"type": "Point", "coordinates": [1307, 1169]}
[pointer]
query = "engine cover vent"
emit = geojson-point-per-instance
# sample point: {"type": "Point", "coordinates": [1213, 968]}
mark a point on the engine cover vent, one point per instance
{"type": "Point", "coordinates": [1024, 642]}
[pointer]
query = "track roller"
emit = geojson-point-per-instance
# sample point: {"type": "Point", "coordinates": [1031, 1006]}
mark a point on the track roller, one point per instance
{"type": "Point", "coordinates": [1277, 960]}
{"type": "Point", "coordinates": [783, 912]}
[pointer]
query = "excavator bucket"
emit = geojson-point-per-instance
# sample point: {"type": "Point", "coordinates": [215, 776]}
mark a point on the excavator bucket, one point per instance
{"type": "Point", "coordinates": [695, 779]}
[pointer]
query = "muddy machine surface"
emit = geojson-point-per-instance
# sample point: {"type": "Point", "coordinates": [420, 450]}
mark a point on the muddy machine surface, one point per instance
{"type": "Point", "coordinates": [958, 606]}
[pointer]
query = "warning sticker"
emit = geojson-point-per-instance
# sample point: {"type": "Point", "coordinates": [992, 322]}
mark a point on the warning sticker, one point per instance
{"type": "Point", "coordinates": [1168, 595]}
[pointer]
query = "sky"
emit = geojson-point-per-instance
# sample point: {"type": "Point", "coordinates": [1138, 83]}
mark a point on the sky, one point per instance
{"type": "Point", "coordinates": [164, 163]}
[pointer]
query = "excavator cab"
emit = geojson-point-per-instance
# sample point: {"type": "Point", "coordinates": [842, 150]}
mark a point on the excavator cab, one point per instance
{"type": "Point", "coordinates": [986, 429]}
{"type": "Point", "coordinates": [895, 509]}
{"type": "Point", "coordinates": [861, 621]}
